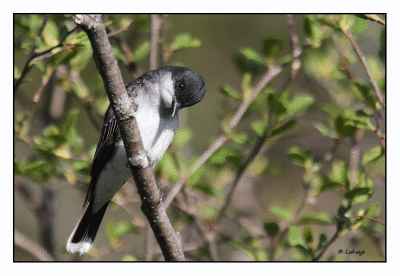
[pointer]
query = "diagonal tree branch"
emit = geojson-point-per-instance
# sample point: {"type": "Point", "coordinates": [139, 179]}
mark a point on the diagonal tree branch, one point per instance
{"type": "Point", "coordinates": [124, 109]}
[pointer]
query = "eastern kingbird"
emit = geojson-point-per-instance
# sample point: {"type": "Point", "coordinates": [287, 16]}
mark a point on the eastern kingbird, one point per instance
{"type": "Point", "coordinates": [159, 94]}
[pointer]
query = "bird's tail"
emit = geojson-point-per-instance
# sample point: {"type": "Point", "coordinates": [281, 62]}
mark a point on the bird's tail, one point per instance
{"type": "Point", "coordinates": [82, 238]}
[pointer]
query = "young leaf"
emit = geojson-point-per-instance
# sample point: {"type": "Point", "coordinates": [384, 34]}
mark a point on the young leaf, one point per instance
{"type": "Point", "coordinates": [298, 156]}
{"type": "Point", "coordinates": [373, 155]}
{"type": "Point", "coordinates": [222, 156]}
{"type": "Point", "coordinates": [317, 217]}
{"type": "Point", "coordinates": [258, 127]}
{"type": "Point", "coordinates": [281, 212]}
{"type": "Point", "coordinates": [275, 105]}
{"type": "Point", "coordinates": [249, 61]}
{"type": "Point", "coordinates": [299, 103]}
{"type": "Point", "coordinates": [324, 130]}
{"type": "Point", "coordinates": [184, 41]}
{"type": "Point", "coordinates": [363, 92]}
{"type": "Point", "coordinates": [286, 126]}
{"type": "Point", "coordinates": [229, 91]}
{"type": "Point", "coordinates": [141, 51]}
{"type": "Point", "coordinates": [272, 45]}
{"type": "Point", "coordinates": [357, 192]}
{"type": "Point", "coordinates": [308, 235]}
{"type": "Point", "coordinates": [294, 237]}
{"type": "Point", "coordinates": [344, 128]}
{"type": "Point", "coordinates": [322, 241]}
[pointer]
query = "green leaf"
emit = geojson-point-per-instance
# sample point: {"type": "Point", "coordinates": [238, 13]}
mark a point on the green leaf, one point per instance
{"type": "Point", "coordinates": [312, 30]}
{"type": "Point", "coordinates": [246, 85]}
{"type": "Point", "coordinates": [275, 105]}
{"type": "Point", "coordinates": [271, 46]}
{"type": "Point", "coordinates": [17, 72]}
{"type": "Point", "coordinates": [322, 241]}
{"type": "Point", "coordinates": [298, 156]}
{"type": "Point", "coordinates": [373, 155]}
{"type": "Point", "coordinates": [328, 184]}
{"type": "Point", "coordinates": [294, 237]}
{"type": "Point", "coordinates": [359, 26]}
{"type": "Point", "coordinates": [222, 156]}
{"type": "Point", "coordinates": [37, 168]}
{"type": "Point", "coordinates": [240, 138]}
{"type": "Point", "coordinates": [286, 126]}
{"type": "Point", "coordinates": [364, 93]}
{"type": "Point", "coordinates": [281, 212]}
{"type": "Point", "coordinates": [324, 130]}
{"type": "Point", "coordinates": [357, 192]}
{"type": "Point", "coordinates": [249, 61]}
{"type": "Point", "coordinates": [271, 228]}
{"type": "Point", "coordinates": [183, 41]}
{"type": "Point", "coordinates": [258, 127]}
{"type": "Point", "coordinates": [308, 235]}
{"type": "Point", "coordinates": [340, 173]}
{"type": "Point", "coordinates": [229, 91]}
{"type": "Point", "coordinates": [300, 103]}
{"type": "Point", "coordinates": [317, 218]}
{"type": "Point", "coordinates": [344, 127]}
{"type": "Point", "coordinates": [372, 211]}
{"type": "Point", "coordinates": [141, 51]}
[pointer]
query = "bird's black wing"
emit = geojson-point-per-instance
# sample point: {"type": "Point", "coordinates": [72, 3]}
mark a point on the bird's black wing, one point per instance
{"type": "Point", "coordinates": [105, 150]}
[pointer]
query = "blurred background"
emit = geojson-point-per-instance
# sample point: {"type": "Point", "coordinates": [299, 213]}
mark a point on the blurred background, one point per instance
{"type": "Point", "coordinates": [277, 197]}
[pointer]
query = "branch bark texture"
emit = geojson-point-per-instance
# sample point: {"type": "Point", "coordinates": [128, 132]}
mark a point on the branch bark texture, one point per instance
{"type": "Point", "coordinates": [124, 111]}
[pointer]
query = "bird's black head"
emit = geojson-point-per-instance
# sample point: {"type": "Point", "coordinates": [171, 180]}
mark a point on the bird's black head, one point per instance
{"type": "Point", "coordinates": [189, 86]}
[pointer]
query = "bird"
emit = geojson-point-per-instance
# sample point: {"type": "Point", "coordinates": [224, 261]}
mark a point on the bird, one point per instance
{"type": "Point", "coordinates": [160, 94]}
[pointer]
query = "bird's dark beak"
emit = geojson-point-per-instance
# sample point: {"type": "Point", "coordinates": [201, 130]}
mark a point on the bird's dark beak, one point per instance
{"type": "Point", "coordinates": [175, 106]}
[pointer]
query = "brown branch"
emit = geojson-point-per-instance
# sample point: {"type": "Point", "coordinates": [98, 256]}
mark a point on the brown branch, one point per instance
{"type": "Point", "coordinates": [156, 22]}
{"type": "Point", "coordinates": [124, 109]}
{"type": "Point", "coordinates": [355, 154]}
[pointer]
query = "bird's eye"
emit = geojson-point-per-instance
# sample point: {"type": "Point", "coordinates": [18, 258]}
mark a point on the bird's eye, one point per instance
{"type": "Point", "coordinates": [180, 86]}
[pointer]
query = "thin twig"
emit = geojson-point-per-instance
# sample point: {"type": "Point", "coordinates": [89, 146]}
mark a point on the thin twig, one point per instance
{"type": "Point", "coordinates": [363, 60]}
{"type": "Point", "coordinates": [31, 54]}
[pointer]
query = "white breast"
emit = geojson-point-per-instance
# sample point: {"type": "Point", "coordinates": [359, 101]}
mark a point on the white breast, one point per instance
{"type": "Point", "coordinates": [157, 133]}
